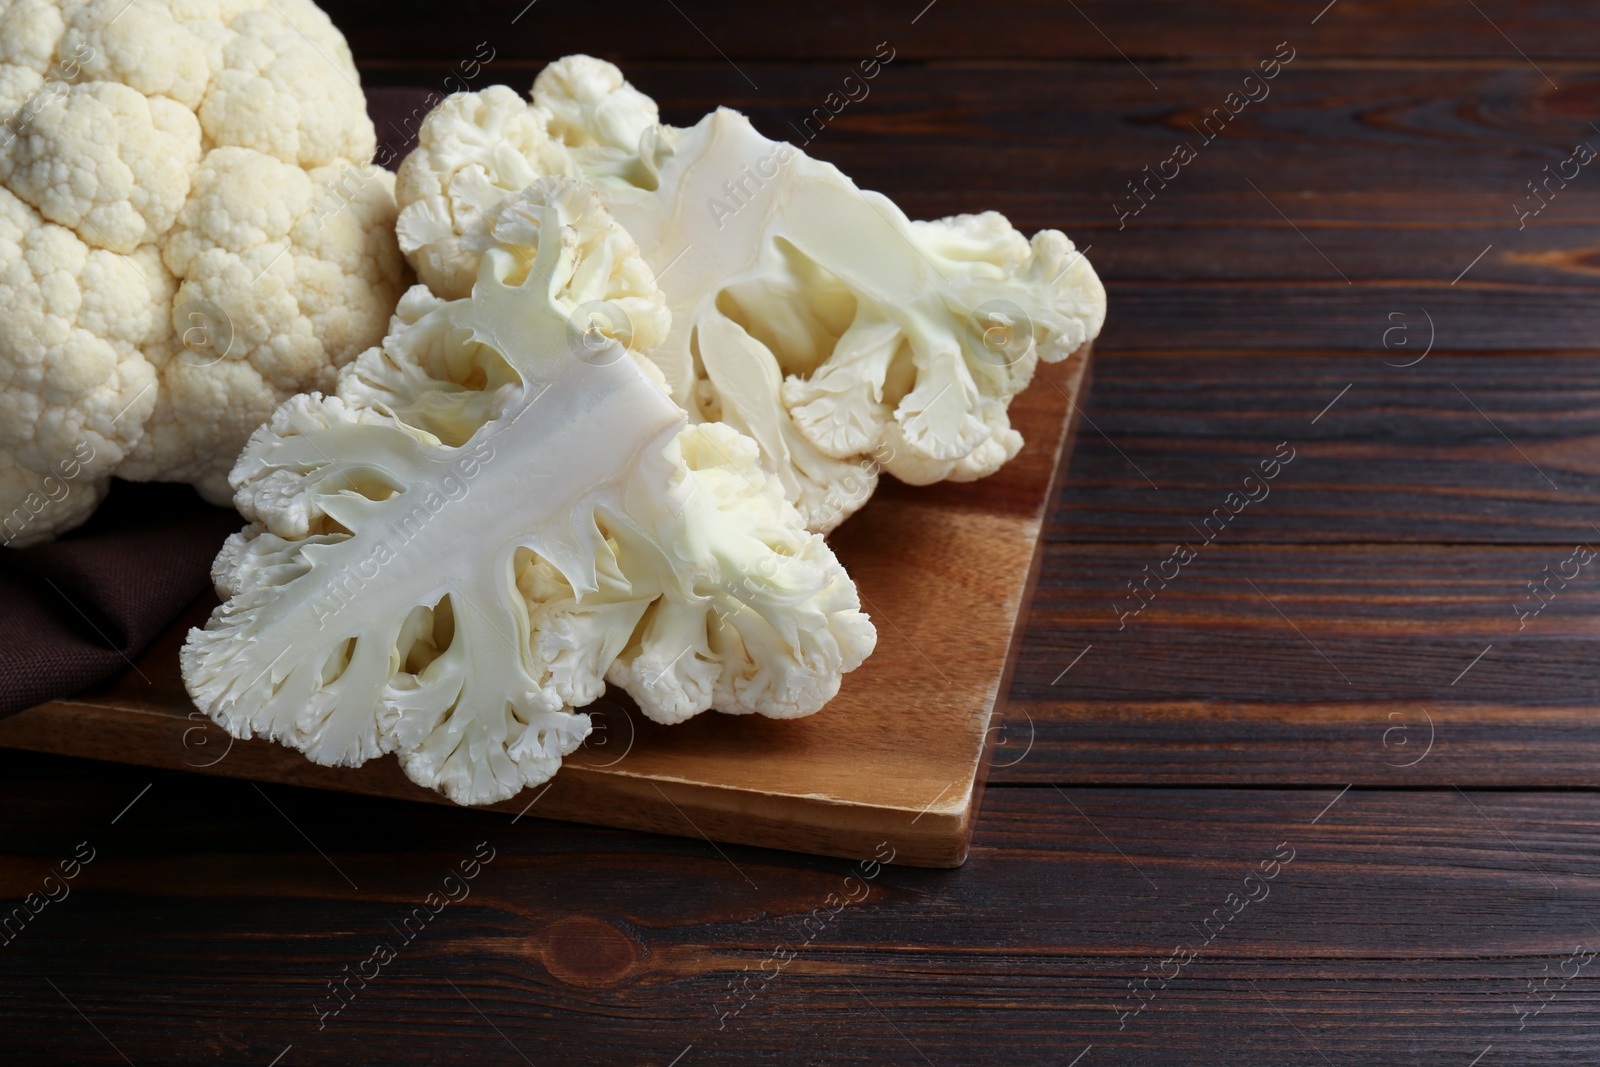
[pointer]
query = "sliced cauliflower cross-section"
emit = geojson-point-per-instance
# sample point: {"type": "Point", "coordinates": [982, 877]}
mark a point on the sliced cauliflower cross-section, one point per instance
{"type": "Point", "coordinates": [498, 511]}
{"type": "Point", "coordinates": [807, 313]}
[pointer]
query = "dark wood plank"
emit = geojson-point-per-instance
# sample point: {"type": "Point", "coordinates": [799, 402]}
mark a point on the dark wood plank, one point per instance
{"type": "Point", "coordinates": [1406, 454]}
{"type": "Point", "coordinates": [1307, 664]}
{"type": "Point", "coordinates": [1411, 922]}
{"type": "Point", "coordinates": [1393, 622]}
{"type": "Point", "coordinates": [1103, 30]}
{"type": "Point", "coordinates": [1379, 743]}
{"type": "Point", "coordinates": [1275, 316]}
{"type": "Point", "coordinates": [1359, 148]}
{"type": "Point", "coordinates": [1427, 252]}
{"type": "Point", "coordinates": [1348, 193]}
{"type": "Point", "coordinates": [1406, 926]}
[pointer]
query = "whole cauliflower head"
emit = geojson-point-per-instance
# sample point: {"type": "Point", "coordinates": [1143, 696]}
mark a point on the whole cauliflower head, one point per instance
{"type": "Point", "coordinates": [811, 315]}
{"type": "Point", "coordinates": [190, 232]}
{"type": "Point", "coordinates": [499, 511]}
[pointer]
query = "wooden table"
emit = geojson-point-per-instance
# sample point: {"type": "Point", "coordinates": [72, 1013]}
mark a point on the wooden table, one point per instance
{"type": "Point", "coordinates": [1324, 799]}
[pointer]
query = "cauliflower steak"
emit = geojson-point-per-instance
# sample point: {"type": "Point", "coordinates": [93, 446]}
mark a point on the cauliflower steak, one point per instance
{"type": "Point", "coordinates": [809, 314]}
{"type": "Point", "coordinates": [498, 511]}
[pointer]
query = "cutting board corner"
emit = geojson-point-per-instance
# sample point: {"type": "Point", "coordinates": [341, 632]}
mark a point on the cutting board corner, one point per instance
{"type": "Point", "coordinates": [896, 762]}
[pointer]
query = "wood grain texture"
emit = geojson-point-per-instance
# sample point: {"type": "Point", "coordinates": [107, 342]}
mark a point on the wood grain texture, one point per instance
{"type": "Point", "coordinates": [1350, 152]}
{"type": "Point", "coordinates": [1495, 448]}
{"type": "Point", "coordinates": [1414, 917]}
{"type": "Point", "coordinates": [1321, 193]}
{"type": "Point", "coordinates": [943, 571]}
{"type": "Point", "coordinates": [1101, 30]}
{"type": "Point", "coordinates": [1308, 664]}
{"type": "Point", "coordinates": [1405, 928]}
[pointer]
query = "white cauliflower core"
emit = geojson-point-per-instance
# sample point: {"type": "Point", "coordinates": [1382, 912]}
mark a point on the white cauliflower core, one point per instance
{"type": "Point", "coordinates": [190, 233]}
{"type": "Point", "coordinates": [807, 313]}
{"type": "Point", "coordinates": [499, 511]}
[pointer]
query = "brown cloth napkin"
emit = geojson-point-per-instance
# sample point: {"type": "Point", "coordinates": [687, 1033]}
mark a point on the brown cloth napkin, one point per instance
{"type": "Point", "coordinates": [77, 611]}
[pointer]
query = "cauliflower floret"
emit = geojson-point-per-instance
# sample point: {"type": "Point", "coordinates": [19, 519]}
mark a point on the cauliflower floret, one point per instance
{"type": "Point", "coordinates": [476, 149]}
{"type": "Point", "coordinates": [497, 512]}
{"type": "Point", "coordinates": [189, 234]}
{"type": "Point", "coordinates": [270, 284]}
{"type": "Point", "coordinates": [106, 161]}
{"type": "Point", "coordinates": [75, 390]}
{"type": "Point", "coordinates": [591, 105]}
{"type": "Point", "coordinates": [472, 152]}
{"type": "Point", "coordinates": [286, 89]}
{"type": "Point", "coordinates": [808, 314]}
{"type": "Point", "coordinates": [47, 503]}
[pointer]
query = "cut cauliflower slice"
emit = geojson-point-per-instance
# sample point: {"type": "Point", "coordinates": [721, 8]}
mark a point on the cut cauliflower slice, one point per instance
{"type": "Point", "coordinates": [500, 510]}
{"type": "Point", "coordinates": [190, 233]}
{"type": "Point", "coordinates": [807, 313]}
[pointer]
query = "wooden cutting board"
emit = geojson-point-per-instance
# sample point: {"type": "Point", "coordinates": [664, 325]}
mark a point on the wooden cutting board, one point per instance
{"type": "Point", "coordinates": [899, 756]}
